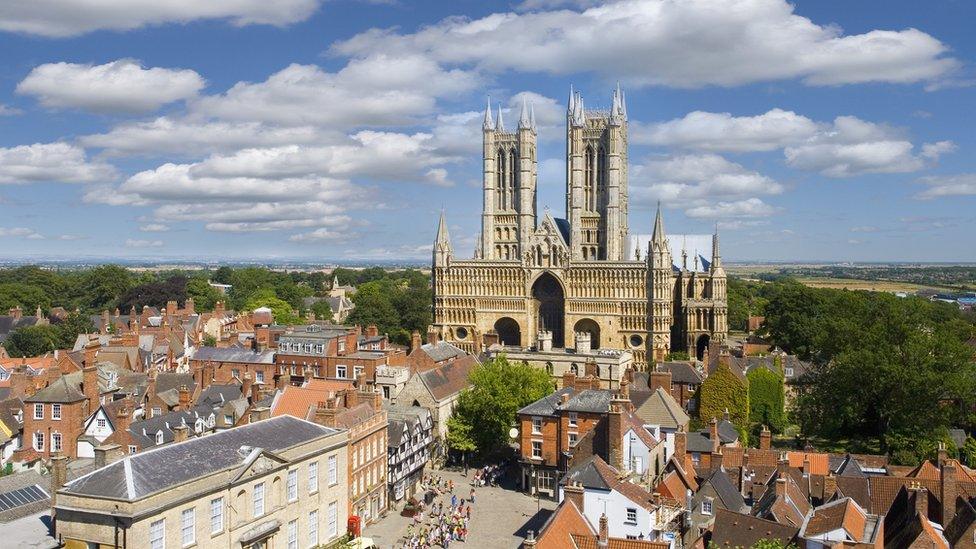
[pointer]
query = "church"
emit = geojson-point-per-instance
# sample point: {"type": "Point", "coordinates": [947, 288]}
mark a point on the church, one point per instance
{"type": "Point", "coordinates": [537, 275]}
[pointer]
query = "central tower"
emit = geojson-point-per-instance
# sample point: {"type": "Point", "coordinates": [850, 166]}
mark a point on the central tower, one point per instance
{"type": "Point", "coordinates": [596, 179]}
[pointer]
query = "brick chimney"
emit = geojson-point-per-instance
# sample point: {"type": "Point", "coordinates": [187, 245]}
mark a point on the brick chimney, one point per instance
{"type": "Point", "coordinates": [657, 379]}
{"type": "Point", "coordinates": [806, 465]}
{"type": "Point", "coordinates": [783, 465]}
{"type": "Point", "coordinates": [16, 312]}
{"type": "Point", "coordinates": [603, 538]}
{"type": "Point", "coordinates": [372, 331]}
{"type": "Point", "coordinates": [171, 307]}
{"type": "Point", "coordinates": [219, 308]}
{"type": "Point", "coordinates": [922, 500]}
{"type": "Point", "coordinates": [189, 306]}
{"type": "Point", "coordinates": [713, 435]}
{"type": "Point", "coordinates": [717, 460]}
{"type": "Point", "coordinates": [765, 439]}
{"type": "Point", "coordinates": [325, 413]}
{"type": "Point", "coordinates": [415, 342]}
{"type": "Point", "coordinates": [123, 415]}
{"type": "Point", "coordinates": [351, 397]}
{"type": "Point", "coordinates": [569, 379]}
{"type": "Point", "coordinates": [781, 487]}
{"type": "Point", "coordinates": [180, 433]}
{"type": "Point", "coordinates": [184, 398]}
{"type": "Point", "coordinates": [260, 413]}
{"type": "Point", "coordinates": [247, 384]}
{"type": "Point", "coordinates": [615, 435]}
{"type": "Point", "coordinates": [949, 491]}
{"type": "Point", "coordinates": [625, 390]}
{"type": "Point", "coordinates": [18, 382]}
{"type": "Point", "coordinates": [574, 492]}
{"type": "Point", "coordinates": [89, 377]}
{"type": "Point", "coordinates": [59, 475]}
{"type": "Point", "coordinates": [529, 541]}
{"type": "Point", "coordinates": [680, 445]}
{"type": "Point", "coordinates": [107, 454]}
{"type": "Point", "coordinates": [943, 455]}
{"type": "Point", "coordinates": [208, 374]}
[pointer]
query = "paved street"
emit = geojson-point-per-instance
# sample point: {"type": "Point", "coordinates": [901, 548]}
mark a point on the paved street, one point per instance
{"type": "Point", "coordinates": [500, 516]}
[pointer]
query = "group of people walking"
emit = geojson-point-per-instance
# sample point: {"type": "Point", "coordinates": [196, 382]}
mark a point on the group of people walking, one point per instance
{"type": "Point", "coordinates": [439, 525]}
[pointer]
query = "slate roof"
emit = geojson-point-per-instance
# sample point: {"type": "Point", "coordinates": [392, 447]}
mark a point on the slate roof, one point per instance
{"type": "Point", "coordinates": [849, 467]}
{"type": "Point", "coordinates": [734, 530]}
{"type": "Point", "coordinates": [725, 490]}
{"type": "Point", "coordinates": [698, 442]}
{"type": "Point", "coordinates": [546, 406]}
{"type": "Point", "coordinates": [139, 475]}
{"type": "Point", "coordinates": [597, 474]}
{"type": "Point", "coordinates": [449, 379]}
{"type": "Point", "coordinates": [843, 514]}
{"type": "Point", "coordinates": [172, 380]}
{"type": "Point", "coordinates": [441, 351]}
{"type": "Point", "coordinates": [401, 419]}
{"type": "Point", "coordinates": [232, 354]}
{"type": "Point", "coordinates": [9, 324]}
{"type": "Point", "coordinates": [587, 475]}
{"type": "Point", "coordinates": [660, 408]}
{"type": "Point", "coordinates": [588, 400]}
{"type": "Point", "coordinates": [681, 372]}
{"type": "Point", "coordinates": [63, 390]}
{"type": "Point", "coordinates": [791, 508]}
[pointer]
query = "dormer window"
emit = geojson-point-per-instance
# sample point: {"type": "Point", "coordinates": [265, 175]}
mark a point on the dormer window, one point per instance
{"type": "Point", "coordinates": [159, 437]}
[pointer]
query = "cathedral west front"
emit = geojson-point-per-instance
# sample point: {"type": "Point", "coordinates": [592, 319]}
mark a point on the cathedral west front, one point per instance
{"type": "Point", "coordinates": [537, 275]}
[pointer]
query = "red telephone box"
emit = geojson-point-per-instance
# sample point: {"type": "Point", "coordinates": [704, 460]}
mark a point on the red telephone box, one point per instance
{"type": "Point", "coordinates": [354, 526]}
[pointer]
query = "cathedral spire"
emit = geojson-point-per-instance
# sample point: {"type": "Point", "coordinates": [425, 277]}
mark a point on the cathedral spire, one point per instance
{"type": "Point", "coordinates": [623, 104]}
{"type": "Point", "coordinates": [500, 125]}
{"type": "Point", "coordinates": [684, 253]}
{"type": "Point", "coordinates": [443, 237]}
{"type": "Point", "coordinates": [524, 121]}
{"type": "Point", "coordinates": [616, 110]}
{"type": "Point", "coordinates": [489, 124]}
{"type": "Point", "coordinates": [579, 112]}
{"type": "Point", "coordinates": [716, 256]}
{"type": "Point", "coordinates": [571, 104]}
{"type": "Point", "coordinates": [532, 115]}
{"type": "Point", "coordinates": [658, 235]}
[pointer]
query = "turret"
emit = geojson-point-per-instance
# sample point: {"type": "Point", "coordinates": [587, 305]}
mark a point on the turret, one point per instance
{"type": "Point", "coordinates": [660, 286]}
{"type": "Point", "coordinates": [488, 124]}
{"type": "Point", "coordinates": [442, 244]}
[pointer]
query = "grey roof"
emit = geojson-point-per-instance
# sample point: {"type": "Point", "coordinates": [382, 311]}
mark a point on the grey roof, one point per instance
{"type": "Point", "coordinates": [234, 354]}
{"type": "Point", "coordinates": [682, 372]}
{"type": "Point", "coordinates": [849, 467]}
{"type": "Point", "coordinates": [587, 475]}
{"type": "Point", "coordinates": [401, 420]}
{"type": "Point", "coordinates": [589, 400]}
{"type": "Point", "coordinates": [659, 408]}
{"type": "Point", "coordinates": [215, 396]}
{"type": "Point", "coordinates": [698, 442]}
{"type": "Point", "coordinates": [441, 351]}
{"type": "Point", "coordinates": [9, 324]}
{"type": "Point", "coordinates": [727, 433]}
{"type": "Point", "coordinates": [139, 475]}
{"type": "Point", "coordinates": [725, 490]}
{"type": "Point", "coordinates": [546, 406]}
{"type": "Point", "coordinates": [173, 380]}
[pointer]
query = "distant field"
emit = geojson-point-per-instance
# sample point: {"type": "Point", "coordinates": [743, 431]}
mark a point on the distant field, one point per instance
{"type": "Point", "coordinates": [853, 284]}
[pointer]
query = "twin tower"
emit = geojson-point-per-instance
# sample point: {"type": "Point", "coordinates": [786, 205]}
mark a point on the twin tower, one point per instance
{"type": "Point", "coordinates": [534, 276]}
{"type": "Point", "coordinates": [596, 182]}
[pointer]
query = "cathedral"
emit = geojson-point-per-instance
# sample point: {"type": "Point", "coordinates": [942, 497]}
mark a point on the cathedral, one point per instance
{"type": "Point", "coordinates": [535, 274]}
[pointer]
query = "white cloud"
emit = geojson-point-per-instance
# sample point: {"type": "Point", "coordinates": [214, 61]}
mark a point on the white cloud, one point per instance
{"type": "Point", "coordinates": [72, 237]}
{"type": "Point", "coordinates": [963, 184]}
{"type": "Point", "coordinates": [723, 132]}
{"type": "Point", "coordinates": [663, 42]}
{"type": "Point", "coordinates": [374, 91]}
{"type": "Point", "coordinates": [154, 228]}
{"type": "Point", "coordinates": [319, 235]}
{"type": "Point", "coordinates": [852, 146]}
{"type": "Point", "coordinates": [118, 86]}
{"type": "Point", "coordinates": [61, 18]}
{"type": "Point", "coordinates": [9, 111]}
{"type": "Point", "coordinates": [22, 232]}
{"type": "Point", "coordinates": [690, 179]}
{"type": "Point", "coordinates": [51, 162]}
{"type": "Point", "coordinates": [137, 243]}
{"type": "Point", "coordinates": [750, 207]}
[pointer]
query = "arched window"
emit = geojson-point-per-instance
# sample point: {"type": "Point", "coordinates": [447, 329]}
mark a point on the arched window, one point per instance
{"type": "Point", "coordinates": [589, 176]}
{"type": "Point", "coordinates": [601, 179]}
{"type": "Point", "coordinates": [513, 181]}
{"type": "Point", "coordinates": [500, 180]}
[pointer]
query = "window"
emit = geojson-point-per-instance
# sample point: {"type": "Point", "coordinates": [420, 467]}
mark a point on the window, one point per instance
{"type": "Point", "coordinates": [573, 439]}
{"type": "Point", "coordinates": [313, 528]}
{"type": "Point", "coordinates": [308, 347]}
{"type": "Point", "coordinates": [341, 371]}
{"type": "Point", "coordinates": [39, 441]}
{"type": "Point", "coordinates": [156, 411]}
{"type": "Point", "coordinates": [386, 392]}
{"type": "Point", "coordinates": [706, 507]}
{"type": "Point", "coordinates": [789, 372]}
{"type": "Point", "coordinates": [537, 425]}
{"type": "Point", "coordinates": [333, 518]}
{"type": "Point", "coordinates": [283, 347]}
{"type": "Point", "coordinates": [331, 471]}
{"type": "Point", "coordinates": [133, 449]}
{"type": "Point", "coordinates": [293, 534]}
{"type": "Point", "coordinates": [319, 349]}
{"type": "Point", "coordinates": [537, 448]}
{"type": "Point", "coordinates": [235, 372]}
{"type": "Point", "coordinates": [356, 371]}
{"type": "Point", "coordinates": [313, 477]}
{"type": "Point", "coordinates": [216, 515]}
{"type": "Point", "coordinates": [632, 515]}
{"type": "Point", "coordinates": [292, 485]}
{"type": "Point", "coordinates": [101, 423]}
{"type": "Point", "coordinates": [159, 437]}
{"type": "Point", "coordinates": [55, 411]}
{"type": "Point", "coordinates": [259, 376]}
{"type": "Point", "coordinates": [188, 526]}
{"type": "Point", "coordinates": [157, 534]}
{"type": "Point", "coordinates": [56, 442]}
{"type": "Point", "coordinates": [573, 419]}
{"type": "Point", "coordinates": [38, 411]}
{"type": "Point", "coordinates": [258, 499]}
{"type": "Point", "coordinates": [228, 419]}
{"type": "Point", "coordinates": [342, 345]}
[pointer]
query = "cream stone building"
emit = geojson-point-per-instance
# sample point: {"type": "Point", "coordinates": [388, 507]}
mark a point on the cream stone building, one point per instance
{"type": "Point", "coordinates": [534, 274]}
{"type": "Point", "coordinates": [281, 482]}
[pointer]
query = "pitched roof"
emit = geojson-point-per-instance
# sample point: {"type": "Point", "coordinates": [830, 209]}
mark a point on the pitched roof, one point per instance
{"type": "Point", "coordinates": [297, 401]}
{"type": "Point", "coordinates": [139, 475]}
{"type": "Point", "coordinates": [681, 372]}
{"type": "Point", "coordinates": [449, 379]}
{"type": "Point", "coordinates": [843, 514]}
{"type": "Point", "coordinates": [562, 524]}
{"type": "Point", "coordinates": [819, 462]}
{"type": "Point", "coordinates": [234, 354]}
{"type": "Point", "coordinates": [734, 530]}
{"type": "Point", "coordinates": [660, 408]}
{"type": "Point", "coordinates": [724, 489]}
{"type": "Point", "coordinates": [546, 406]}
{"type": "Point", "coordinates": [588, 400]}
{"type": "Point", "coordinates": [597, 474]}
{"type": "Point", "coordinates": [63, 390]}
{"type": "Point", "coordinates": [591, 542]}
{"type": "Point", "coordinates": [441, 351]}
{"type": "Point", "coordinates": [789, 508]}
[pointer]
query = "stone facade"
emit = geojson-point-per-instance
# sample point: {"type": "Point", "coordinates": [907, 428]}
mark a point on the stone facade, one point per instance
{"type": "Point", "coordinates": [534, 273]}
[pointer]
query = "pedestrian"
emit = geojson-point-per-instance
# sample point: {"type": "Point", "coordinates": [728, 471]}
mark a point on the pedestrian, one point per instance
{"type": "Point", "coordinates": [469, 510]}
{"type": "Point", "coordinates": [472, 497]}
{"type": "Point", "coordinates": [453, 500]}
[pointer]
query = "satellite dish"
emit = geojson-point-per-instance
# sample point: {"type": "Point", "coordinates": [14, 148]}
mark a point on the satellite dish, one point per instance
{"type": "Point", "coordinates": [513, 433]}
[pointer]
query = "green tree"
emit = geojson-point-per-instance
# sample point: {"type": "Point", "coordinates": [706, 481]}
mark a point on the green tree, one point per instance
{"type": "Point", "coordinates": [969, 451]}
{"type": "Point", "coordinates": [281, 309]}
{"type": "Point", "coordinates": [204, 295]}
{"type": "Point", "coordinates": [32, 341]}
{"type": "Point", "coordinates": [723, 390]}
{"type": "Point", "coordinates": [209, 340]}
{"type": "Point", "coordinates": [375, 306]}
{"type": "Point", "coordinates": [767, 399]}
{"type": "Point", "coordinates": [499, 388]}
{"type": "Point", "coordinates": [70, 327]}
{"type": "Point", "coordinates": [103, 285]}
{"type": "Point", "coordinates": [322, 310]}
{"type": "Point", "coordinates": [27, 296]}
{"type": "Point", "coordinates": [460, 437]}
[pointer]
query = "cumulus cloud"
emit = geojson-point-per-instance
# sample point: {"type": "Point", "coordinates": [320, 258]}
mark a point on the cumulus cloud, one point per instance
{"type": "Point", "coordinates": [9, 111]}
{"type": "Point", "coordinates": [689, 179]}
{"type": "Point", "coordinates": [712, 131]}
{"type": "Point", "coordinates": [138, 243]}
{"type": "Point", "coordinates": [118, 86]}
{"type": "Point", "coordinates": [373, 91]}
{"type": "Point", "coordinates": [750, 207]}
{"type": "Point", "coordinates": [62, 18]}
{"type": "Point", "coordinates": [22, 232]}
{"type": "Point", "coordinates": [662, 42]}
{"type": "Point", "coordinates": [51, 162]}
{"type": "Point", "coordinates": [154, 228]}
{"type": "Point", "coordinates": [319, 235]}
{"type": "Point", "coordinates": [963, 184]}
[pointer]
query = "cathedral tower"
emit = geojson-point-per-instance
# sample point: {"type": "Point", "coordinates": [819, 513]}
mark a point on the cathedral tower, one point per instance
{"type": "Point", "coordinates": [509, 190]}
{"type": "Point", "coordinates": [660, 292]}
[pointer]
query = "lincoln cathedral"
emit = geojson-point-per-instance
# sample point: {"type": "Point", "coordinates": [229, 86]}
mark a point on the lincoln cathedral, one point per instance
{"type": "Point", "coordinates": [535, 274]}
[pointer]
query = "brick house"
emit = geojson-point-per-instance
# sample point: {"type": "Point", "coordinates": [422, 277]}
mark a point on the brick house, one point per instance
{"type": "Point", "coordinates": [221, 365]}
{"type": "Point", "coordinates": [437, 390]}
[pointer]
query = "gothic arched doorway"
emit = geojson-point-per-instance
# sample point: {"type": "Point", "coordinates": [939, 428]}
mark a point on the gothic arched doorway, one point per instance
{"type": "Point", "coordinates": [701, 345]}
{"type": "Point", "coordinates": [549, 306]}
{"type": "Point", "coordinates": [592, 328]}
{"type": "Point", "coordinates": [509, 332]}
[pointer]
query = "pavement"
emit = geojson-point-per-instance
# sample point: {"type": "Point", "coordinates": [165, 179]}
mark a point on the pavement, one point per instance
{"type": "Point", "coordinates": [501, 515]}
{"type": "Point", "coordinates": [30, 532]}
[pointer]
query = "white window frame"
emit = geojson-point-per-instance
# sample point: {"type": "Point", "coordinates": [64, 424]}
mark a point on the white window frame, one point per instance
{"type": "Point", "coordinates": [216, 515]}
{"type": "Point", "coordinates": [56, 440]}
{"type": "Point", "coordinates": [573, 439]}
{"type": "Point", "coordinates": [313, 528]}
{"type": "Point", "coordinates": [789, 372]}
{"type": "Point", "coordinates": [536, 425]}
{"type": "Point", "coordinates": [332, 470]}
{"type": "Point", "coordinates": [157, 534]}
{"type": "Point", "coordinates": [38, 411]}
{"type": "Point", "coordinates": [188, 526]}
{"type": "Point", "coordinates": [537, 445]}
{"type": "Point", "coordinates": [258, 376]}
{"type": "Point", "coordinates": [257, 500]}
{"type": "Point", "coordinates": [344, 371]}
{"type": "Point", "coordinates": [632, 515]}
{"type": "Point", "coordinates": [101, 423]}
{"type": "Point", "coordinates": [293, 534]}
{"type": "Point", "coordinates": [313, 477]}
{"type": "Point", "coordinates": [56, 412]}
{"type": "Point", "coordinates": [133, 449]}
{"type": "Point", "coordinates": [291, 485]}
{"type": "Point", "coordinates": [573, 419]}
{"type": "Point", "coordinates": [333, 518]}
{"type": "Point", "coordinates": [39, 441]}
{"type": "Point", "coordinates": [706, 506]}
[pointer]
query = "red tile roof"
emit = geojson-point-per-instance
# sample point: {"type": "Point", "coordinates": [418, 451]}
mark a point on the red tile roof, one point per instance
{"type": "Point", "coordinates": [819, 463]}
{"type": "Point", "coordinates": [557, 532]}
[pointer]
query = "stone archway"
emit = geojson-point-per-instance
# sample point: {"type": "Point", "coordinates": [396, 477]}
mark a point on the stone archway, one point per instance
{"type": "Point", "coordinates": [701, 345]}
{"type": "Point", "coordinates": [591, 327]}
{"type": "Point", "coordinates": [550, 307]}
{"type": "Point", "coordinates": [509, 332]}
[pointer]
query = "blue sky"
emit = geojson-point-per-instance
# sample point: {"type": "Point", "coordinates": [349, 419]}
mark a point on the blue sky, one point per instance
{"type": "Point", "coordinates": [817, 130]}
